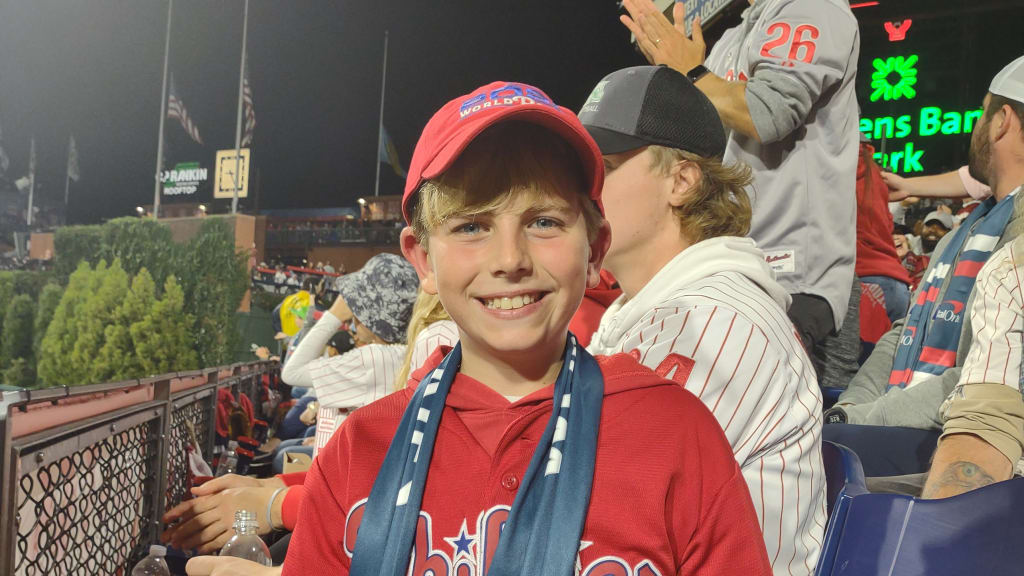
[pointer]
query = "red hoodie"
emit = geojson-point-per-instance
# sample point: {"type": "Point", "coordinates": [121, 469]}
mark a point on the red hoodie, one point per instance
{"type": "Point", "coordinates": [876, 252]}
{"type": "Point", "coordinates": [595, 301]}
{"type": "Point", "coordinates": [667, 498]}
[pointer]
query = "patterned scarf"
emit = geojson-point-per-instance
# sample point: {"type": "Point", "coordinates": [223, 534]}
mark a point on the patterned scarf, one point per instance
{"type": "Point", "coordinates": [929, 341]}
{"type": "Point", "coordinates": [542, 534]}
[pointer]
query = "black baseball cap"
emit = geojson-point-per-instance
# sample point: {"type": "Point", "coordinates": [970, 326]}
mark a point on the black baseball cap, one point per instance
{"type": "Point", "coordinates": [644, 105]}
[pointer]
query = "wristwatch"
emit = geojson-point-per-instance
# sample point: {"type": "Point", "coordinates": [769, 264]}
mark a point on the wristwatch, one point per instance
{"type": "Point", "coordinates": [835, 415]}
{"type": "Point", "coordinates": [696, 73]}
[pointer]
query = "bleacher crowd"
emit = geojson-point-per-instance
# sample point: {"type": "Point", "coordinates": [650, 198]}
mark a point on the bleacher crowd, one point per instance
{"type": "Point", "coordinates": [740, 281]}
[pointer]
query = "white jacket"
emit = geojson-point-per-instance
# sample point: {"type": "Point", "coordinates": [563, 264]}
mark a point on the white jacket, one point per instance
{"type": "Point", "coordinates": [714, 319]}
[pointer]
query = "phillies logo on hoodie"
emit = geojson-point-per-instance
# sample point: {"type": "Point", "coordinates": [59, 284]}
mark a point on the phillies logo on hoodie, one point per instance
{"type": "Point", "coordinates": [471, 553]}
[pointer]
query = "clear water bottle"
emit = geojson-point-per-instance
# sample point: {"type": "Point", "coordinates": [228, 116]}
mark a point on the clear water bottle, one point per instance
{"type": "Point", "coordinates": [154, 564]}
{"type": "Point", "coordinates": [228, 460]}
{"type": "Point", "coordinates": [246, 543]}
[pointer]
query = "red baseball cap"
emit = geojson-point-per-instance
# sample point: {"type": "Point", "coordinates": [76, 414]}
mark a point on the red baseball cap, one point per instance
{"type": "Point", "coordinates": [461, 120]}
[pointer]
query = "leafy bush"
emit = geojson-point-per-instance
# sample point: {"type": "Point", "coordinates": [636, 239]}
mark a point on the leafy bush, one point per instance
{"type": "Point", "coordinates": [21, 373]}
{"type": "Point", "coordinates": [74, 244]}
{"type": "Point", "coordinates": [16, 339]}
{"type": "Point", "coordinates": [102, 330]}
{"type": "Point", "coordinates": [214, 281]}
{"type": "Point", "coordinates": [139, 243]}
{"type": "Point", "coordinates": [49, 299]}
{"type": "Point", "coordinates": [56, 366]}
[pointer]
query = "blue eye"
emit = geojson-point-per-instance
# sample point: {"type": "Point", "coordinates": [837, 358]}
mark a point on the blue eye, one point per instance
{"type": "Point", "coordinates": [546, 223]}
{"type": "Point", "coordinates": [467, 228]}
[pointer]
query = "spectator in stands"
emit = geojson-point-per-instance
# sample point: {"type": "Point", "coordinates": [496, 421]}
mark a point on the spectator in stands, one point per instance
{"type": "Point", "coordinates": [203, 523]}
{"type": "Point", "coordinates": [983, 430]}
{"type": "Point", "coordinates": [377, 300]}
{"type": "Point", "coordinates": [877, 260]}
{"type": "Point", "coordinates": [890, 414]}
{"type": "Point", "coordinates": [699, 301]}
{"type": "Point", "coordinates": [328, 268]}
{"type": "Point", "coordinates": [791, 114]}
{"type": "Point", "coordinates": [936, 225]}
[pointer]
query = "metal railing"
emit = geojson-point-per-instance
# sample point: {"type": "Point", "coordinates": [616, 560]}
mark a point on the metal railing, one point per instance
{"type": "Point", "coordinates": [88, 471]}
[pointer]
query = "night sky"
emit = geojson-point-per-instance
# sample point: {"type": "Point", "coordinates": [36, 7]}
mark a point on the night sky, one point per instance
{"type": "Point", "coordinates": [93, 68]}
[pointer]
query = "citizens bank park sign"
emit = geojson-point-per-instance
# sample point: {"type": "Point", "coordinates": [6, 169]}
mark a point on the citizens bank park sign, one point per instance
{"type": "Point", "coordinates": [183, 180]}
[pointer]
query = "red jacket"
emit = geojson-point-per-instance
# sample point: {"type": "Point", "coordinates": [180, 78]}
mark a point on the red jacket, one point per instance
{"type": "Point", "coordinates": [668, 497]}
{"type": "Point", "coordinates": [876, 252]}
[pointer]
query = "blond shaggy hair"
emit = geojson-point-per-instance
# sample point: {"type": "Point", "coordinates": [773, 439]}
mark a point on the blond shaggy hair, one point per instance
{"type": "Point", "coordinates": [718, 205]}
{"type": "Point", "coordinates": [504, 164]}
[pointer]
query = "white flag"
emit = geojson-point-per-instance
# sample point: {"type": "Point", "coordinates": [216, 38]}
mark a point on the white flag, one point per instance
{"type": "Point", "coordinates": [73, 172]}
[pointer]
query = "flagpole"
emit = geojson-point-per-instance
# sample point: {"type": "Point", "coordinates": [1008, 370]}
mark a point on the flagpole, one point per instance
{"type": "Point", "coordinates": [163, 116]}
{"type": "Point", "coordinates": [380, 123]}
{"type": "Point", "coordinates": [31, 180]}
{"type": "Point", "coordinates": [238, 124]}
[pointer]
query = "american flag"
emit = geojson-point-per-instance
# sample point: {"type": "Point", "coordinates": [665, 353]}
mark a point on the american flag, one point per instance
{"type": "Point", "coordinates": [250, 114]}
{"type": "Point", "coordinates": [176, 109]}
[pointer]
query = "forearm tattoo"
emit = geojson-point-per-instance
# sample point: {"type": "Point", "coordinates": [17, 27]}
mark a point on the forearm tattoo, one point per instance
{"type": "Point", "coordinates": [963, 476]}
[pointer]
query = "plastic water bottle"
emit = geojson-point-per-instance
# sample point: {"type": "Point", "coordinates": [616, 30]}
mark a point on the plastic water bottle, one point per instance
{"type": "Point", "coordinates": [228, 460]}
{"type": "Point", "coordinates": [246, 543]}
{"type": "Point", "coordinates": [154, 564]}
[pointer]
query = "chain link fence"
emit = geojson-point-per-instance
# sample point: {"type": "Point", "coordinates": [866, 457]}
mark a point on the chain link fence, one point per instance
{"type": "Point", "coordinates": [88, 471]}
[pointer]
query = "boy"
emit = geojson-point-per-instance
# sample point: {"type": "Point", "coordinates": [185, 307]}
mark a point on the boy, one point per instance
{"type": "Point", "coordinates": [609, 470]}
{"type": "Point", "coordinates": [695, 290]}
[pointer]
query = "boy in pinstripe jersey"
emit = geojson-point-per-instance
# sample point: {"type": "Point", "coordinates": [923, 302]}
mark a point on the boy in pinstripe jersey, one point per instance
{"type": "Point", "coordinates": [696, 289]}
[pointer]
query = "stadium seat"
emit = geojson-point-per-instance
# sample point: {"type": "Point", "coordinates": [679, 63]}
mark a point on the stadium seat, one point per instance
{"type": "Point", "coordinates": [979, 532]}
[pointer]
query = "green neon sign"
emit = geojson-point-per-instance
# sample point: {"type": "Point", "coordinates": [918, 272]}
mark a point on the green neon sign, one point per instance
{"type": "Point", "coordinates": [894, 78]}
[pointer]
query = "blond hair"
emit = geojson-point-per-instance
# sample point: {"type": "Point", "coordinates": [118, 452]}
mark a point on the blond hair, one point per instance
{"type": "Point", "coordinates": [504, 163]}
{"type": "Point", "coordinates": [718, 205]}
{"type": "Point", "coordinates": [425, 311]}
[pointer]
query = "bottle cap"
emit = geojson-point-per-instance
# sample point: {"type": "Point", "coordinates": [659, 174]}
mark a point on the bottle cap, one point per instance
{"type": "Point", "coordinates": [157, 550]}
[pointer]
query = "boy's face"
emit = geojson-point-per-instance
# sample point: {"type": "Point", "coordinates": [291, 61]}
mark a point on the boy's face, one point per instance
{"type": "Point", "coordinates": [511, 278]}
{"type": "Point", "coordinates": [635, 199]}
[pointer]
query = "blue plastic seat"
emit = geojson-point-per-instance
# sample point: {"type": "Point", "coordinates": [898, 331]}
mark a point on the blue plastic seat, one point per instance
{"type": "Point", "coordinates": [979, 532]}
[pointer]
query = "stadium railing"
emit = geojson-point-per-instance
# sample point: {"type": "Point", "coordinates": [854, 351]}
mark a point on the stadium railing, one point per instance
{"type": "Point", "coordinates": [87, 471]}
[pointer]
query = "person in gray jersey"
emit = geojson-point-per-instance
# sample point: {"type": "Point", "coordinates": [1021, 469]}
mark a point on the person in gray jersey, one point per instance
{"type": "Point", "coordinates": [783, 83]}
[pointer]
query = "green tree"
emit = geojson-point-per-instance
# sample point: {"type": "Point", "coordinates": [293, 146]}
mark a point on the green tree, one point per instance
{"type": "Point", "coordinates": [117, 358]}
{"type": "Point", "coordinates": [21, 373]}
{"type": "Point", "coordinates": [162, 338]}
{"type": "Point", "coordinates": [140, 243]}
{"type": "Point", "coordinates": [55, 366]}
{"type": "Point", "coordinates": [6, 294]}
{"type": "Point", "coordinates": [214, 281]}
{"type": "Point", "coordinates": [99, 313]}
{"type": "Point", "coordinates": [73, 245]}
{"type": "Point", "coordinates": [49, 299]}
{"type": "Point", "coordinates": [16, 338]}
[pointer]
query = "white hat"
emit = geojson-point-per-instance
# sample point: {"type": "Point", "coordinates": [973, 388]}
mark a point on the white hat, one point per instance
{"type": "Point", "coordinates": [1009, 83]}
{"type": "Point", "coordinates": [944, 218]}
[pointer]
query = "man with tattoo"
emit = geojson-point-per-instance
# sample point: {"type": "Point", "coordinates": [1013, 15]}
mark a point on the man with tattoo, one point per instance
{"type": "Point", "coordinates": [983, 432]}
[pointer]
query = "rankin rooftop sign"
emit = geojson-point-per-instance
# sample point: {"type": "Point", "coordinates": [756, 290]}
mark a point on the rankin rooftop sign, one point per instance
{"type": "Point", "coordinates": [184, 179]}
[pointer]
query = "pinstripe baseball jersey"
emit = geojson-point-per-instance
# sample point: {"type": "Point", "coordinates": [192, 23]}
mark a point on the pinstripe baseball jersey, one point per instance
{"type": "Point", "coordinates": [717, 304]}
{"type": "Point", "coordinates": [363, 375]}
{"type": "Point", "coordinates": [799, 60]}
{"type": "Point", "coordinates": [995, 356]}
{"type": "Point", "coordinates": [441, 333]}
{"type": "Point", "coordinates": [998, 319]}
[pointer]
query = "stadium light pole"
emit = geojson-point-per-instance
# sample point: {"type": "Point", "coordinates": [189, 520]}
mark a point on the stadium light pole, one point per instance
{"type": "Point", "coordinates": [163, 116]}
